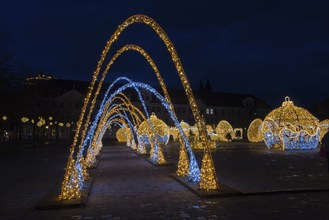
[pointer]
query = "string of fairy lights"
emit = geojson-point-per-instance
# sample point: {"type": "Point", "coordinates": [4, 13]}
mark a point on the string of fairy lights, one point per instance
{"type": "Point", "coordinates": [194, 174]}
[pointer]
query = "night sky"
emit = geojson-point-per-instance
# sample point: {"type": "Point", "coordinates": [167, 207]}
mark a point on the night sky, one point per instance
{"type": "Point", "coordinates": [269, 49]}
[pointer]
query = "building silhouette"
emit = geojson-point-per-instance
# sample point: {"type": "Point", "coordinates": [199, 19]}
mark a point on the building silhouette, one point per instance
{"type": "Point", "coordinates": [57, 104]}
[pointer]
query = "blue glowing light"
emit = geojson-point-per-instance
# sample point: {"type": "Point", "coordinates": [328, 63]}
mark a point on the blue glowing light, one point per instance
{"type": "Point", "coordinates": [194, 171]}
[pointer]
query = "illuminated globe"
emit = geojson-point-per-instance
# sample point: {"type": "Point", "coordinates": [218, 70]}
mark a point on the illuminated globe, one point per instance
{"type": "Point", "coordinates": [254, 133]}
{"type": "Point", "coordinates": [224, 131]}
{"type": "Point", "coordinates": [211, 133]}
{"type": "Point", "coordinates": [123, 134]}
{"type": "Point", "coordinates": [291, 127]}
{"type": "Point", "coordinates": [160, 129]}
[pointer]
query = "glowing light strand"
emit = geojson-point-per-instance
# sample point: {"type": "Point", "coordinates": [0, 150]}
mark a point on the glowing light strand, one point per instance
{"type": "Point", "coordinates": [194, 172]}
{"type": "Point", "coordinates": [291, 127]}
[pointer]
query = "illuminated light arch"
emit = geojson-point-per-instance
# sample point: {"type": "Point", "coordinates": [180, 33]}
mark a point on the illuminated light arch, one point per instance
{"type": "Point", "coordinates": [194, 174]}
{"type": "Point", "coordinates": [126, 127]}
{"type": "Point", "coordinates": [206, 183]}
{"type": "Point", "coordinates": [72, 183]}
{"type": "Point", "coordinates": [156, 71]}
{"type": "Point", "coordinates": [133, 110]}
{"type": "Point", "coordinates": [254, 132]}
{"type": "Point", "coordinates": [223, 129]}
{"type": "Point", "coordinates": [117, 109]}
{"type": "Point", "coordinates": [137, 117]}
{"type": "Point", "coordinates": [130, 108]}
{"type": "Point", "coordinates": [125, 106]}
{"type": "Point", "coordinates": [141, 51]}
{"type": "Point", "coordinates": [171, 49]}
{"type": "Point", "coordinates": [92, 149]}
{"type": "Point", "coordinates": [104, 105]}
{"type": "Point", "coordinates": [141, 146]}
{"type": "Point", "coordinates": [291, 127]}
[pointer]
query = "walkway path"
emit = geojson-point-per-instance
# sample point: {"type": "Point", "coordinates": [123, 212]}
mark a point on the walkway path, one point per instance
{"type": "Point", "coordinates": [129, 186]}
{"type": "Point", "coordinates": [126, 186]}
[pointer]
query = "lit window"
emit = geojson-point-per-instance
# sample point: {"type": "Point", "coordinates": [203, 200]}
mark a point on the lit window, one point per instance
{"type": "Point", "coordinates": [207, 111]}
{"type": "Point", "coordinates": [211, 111]}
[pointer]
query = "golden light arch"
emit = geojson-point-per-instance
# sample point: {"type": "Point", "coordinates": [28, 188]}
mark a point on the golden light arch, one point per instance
{"type": "Point", "coordinates": [207, 168]}
{"type": "Point", "coordinates": [130, 107]}
{"type": "Point", "coordinates": [155, 69]}
{"type": "Point", "coordinates": [141, 51]}
{"type": "Point", "coordinates": [115, 110]}
{"type": "Point", "coordinates": [171, 49]}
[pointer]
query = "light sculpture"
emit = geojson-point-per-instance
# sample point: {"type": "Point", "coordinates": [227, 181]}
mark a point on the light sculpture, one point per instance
{"type": "Point", "coordinates": [117, 111]}
{"type": "Point", "coordinates": [161, 136]}
{"type": "Point", "coordinates": [160, 128]}
{"type": "Point", "coordinates": [211, 133]}
{"type": "Point", "coordinates": [194, 174]}
{"type": "Point", "coordinates": [324, 128]}
{"type": "Point", "coordinates": [24, 119]}
{"type": "Point", "coordinates": [186, 128]}
{"type": "Point", "coordinates": [291, 127]}
{"type": "Point", "coordinates": [224, 131]}
{"type": "Point", "coordinates": [254, 132]}
{"type": "Point", "coordinates": [140, 50]}
{"type": "Point", "coordinates": [173, 131]}
{"type": "Point", "coordinates": [75, 160]}
{"type": "Point", "coordinates": [126, 106]}
{"type": "Point", "coordinates": [121, 135]}
{"type": "Point", "coordinates": [128, 130]}
{"type": "Point", "coordinates": [154, 146]}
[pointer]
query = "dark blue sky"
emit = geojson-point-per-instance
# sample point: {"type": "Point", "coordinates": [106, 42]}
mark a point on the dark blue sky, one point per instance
{"type": "Point", "coordinates": [266, 48]}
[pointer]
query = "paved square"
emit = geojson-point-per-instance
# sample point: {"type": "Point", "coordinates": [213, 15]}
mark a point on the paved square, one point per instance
{"type": "Point", "coordinates": [126, 186]}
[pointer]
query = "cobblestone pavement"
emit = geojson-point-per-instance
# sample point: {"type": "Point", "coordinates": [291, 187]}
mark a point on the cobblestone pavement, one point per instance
{"type": "Point", "coordinates": [126, 186]}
